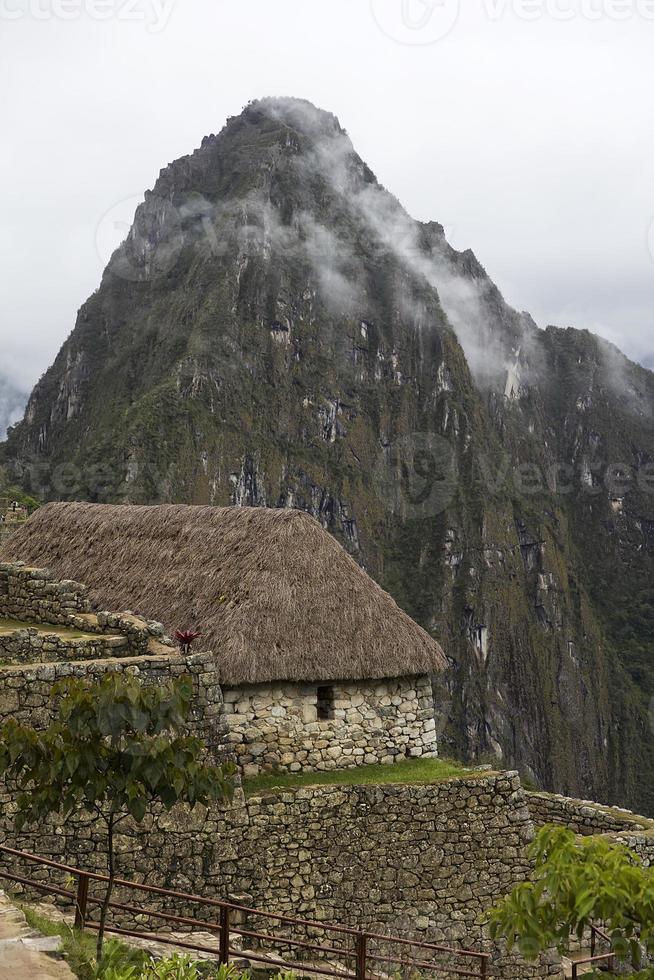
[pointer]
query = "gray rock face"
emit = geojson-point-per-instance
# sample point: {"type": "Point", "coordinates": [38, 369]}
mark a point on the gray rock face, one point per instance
{"type": "Point", "coordinates": [277, 331]}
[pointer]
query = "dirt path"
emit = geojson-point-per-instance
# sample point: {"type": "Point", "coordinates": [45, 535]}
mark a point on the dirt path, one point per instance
{"type": "Point", "coordinates": [23, 953]}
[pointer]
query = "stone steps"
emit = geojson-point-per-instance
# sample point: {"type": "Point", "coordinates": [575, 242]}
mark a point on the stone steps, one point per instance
{"type": "Point", "coordinates": [24, 953]}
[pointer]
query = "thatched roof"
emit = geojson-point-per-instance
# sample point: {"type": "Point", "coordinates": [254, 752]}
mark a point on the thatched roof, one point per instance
{"type": "Point", "coordinates": [275, 596]}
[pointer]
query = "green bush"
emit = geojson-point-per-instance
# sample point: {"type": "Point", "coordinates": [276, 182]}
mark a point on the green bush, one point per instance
{"type": "Point", "coordinates": [175, 968]}
{"type": "Point", "coordinates": [577, 883]}
{"type": "Point", "coordinates": [120, 962]}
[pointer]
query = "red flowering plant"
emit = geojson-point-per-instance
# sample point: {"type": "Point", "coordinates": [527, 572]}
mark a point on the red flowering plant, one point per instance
{"type": "Point", "coordinates": [186, 637]}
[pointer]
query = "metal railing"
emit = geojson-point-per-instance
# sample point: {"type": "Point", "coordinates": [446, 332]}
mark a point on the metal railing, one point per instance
{"type": "Point", "coordinates": [594, 960]}
{"type": "Point", "coordinates": [356, 959]}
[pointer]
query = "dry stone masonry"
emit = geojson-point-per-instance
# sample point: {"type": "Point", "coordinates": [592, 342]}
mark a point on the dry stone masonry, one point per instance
{"type": "Point", "coordinates": [587, 818]}
{"type": "Point", "coordinates": [423, 862]}
{"type": "Point", "coordinates": [280, 726]}
{"type": "Point", "coordinates": [583, 816]}
{"type": "Point", "coordinates": [25, 691]}
{"type": "Point", "coordinates": [311, 727]}
{"type": "Point", "coordinates": [30, 644]}
{"type": "Point", "coordinates": [34, 596]}
{"type": "Point", "coordinates": [426, 861]}
{"type": "Point", "coordinates": [642, 843]}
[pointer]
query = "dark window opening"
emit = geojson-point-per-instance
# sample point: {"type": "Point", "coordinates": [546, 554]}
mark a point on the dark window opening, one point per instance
{"type": "Point", "coordinates": [325, 703]}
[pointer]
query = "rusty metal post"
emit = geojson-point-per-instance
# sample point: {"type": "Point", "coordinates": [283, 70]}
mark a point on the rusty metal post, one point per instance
{"type": "Point", "coordinates": [592, 941]}
{"type": "Point", "coordinates": [361, 950]}
{"type": "Point", "coordinates": [224, 934]}
{"type": "Point", "coordinates": [81, 900]}
{"type": "Point", "coordinates": [483, 968]}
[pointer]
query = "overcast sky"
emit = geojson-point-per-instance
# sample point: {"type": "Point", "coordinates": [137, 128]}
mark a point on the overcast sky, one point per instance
{"type": "Point", "coordinates": [525, 127]}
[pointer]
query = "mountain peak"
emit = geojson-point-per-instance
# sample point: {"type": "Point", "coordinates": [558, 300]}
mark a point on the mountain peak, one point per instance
{"type": "Point", "coordinates": [298, 114]}
{"type": "Point", "coordinates": [274, 113]}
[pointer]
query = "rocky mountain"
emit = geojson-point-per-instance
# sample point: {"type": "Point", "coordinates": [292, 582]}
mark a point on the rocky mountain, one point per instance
{"type": "Point", "coordinates": [277, 331]}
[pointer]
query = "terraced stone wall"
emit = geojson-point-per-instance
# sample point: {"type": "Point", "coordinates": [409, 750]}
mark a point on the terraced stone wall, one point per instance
{"type": "Point", "coordinates": [640, 842]}
{"type": "Point", "coordinates": [34, 595]}
{"type": "Point", "coordinates": [583, 816]}
{"type": "Point", "coordinates": [25, 690]}
{"type": "Point", "coordinates": [422, 862]}
{"type": "Point", "coordinates": [31, 645]}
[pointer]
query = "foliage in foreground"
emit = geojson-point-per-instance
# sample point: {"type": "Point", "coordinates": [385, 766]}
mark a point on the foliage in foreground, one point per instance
{"type": "Point", "coordinates": [139, 965]}
{"type": "Point", "coordinates": [78, 947]}
{"type": "Point", "coordinates": [119, 963]}
{"type": "Point", "coordinates": [113, 749]}
{"type": "Point", "coordinates": [577, 883]}
{"type": "Point", "coordinates": [123, 962]}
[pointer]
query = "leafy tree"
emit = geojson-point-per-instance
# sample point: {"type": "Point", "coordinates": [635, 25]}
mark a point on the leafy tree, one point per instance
{"type": "Point", "coordinates": [114, 749]}
{"type": "Point", "coordinates": [576, 883]}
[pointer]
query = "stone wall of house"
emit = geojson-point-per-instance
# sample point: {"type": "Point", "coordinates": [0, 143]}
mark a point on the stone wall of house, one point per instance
{"type": "Point", "coordinates": [423, 862]}
{"type": "Point", "coordinates": [25, 691]}
{"type": "Point", "coordinates": [583, 816]}
{"type": "Point", "coordinates": [278, 727]}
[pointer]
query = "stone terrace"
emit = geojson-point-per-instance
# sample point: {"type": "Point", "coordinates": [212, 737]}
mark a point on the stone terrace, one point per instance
{"type": "Point", "coordinates": [31, 599]}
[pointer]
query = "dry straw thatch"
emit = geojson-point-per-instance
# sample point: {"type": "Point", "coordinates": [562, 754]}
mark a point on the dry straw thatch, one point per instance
{"type": "Point", "coordinates": [275, 596]}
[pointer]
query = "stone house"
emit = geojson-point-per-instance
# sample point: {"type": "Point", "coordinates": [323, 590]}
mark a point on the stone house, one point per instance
{"type": "Point", "coordinates": [319, 667]}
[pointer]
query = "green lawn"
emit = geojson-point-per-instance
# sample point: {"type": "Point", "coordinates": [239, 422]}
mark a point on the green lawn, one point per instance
{"type": "Point", "coordinates": [407, 771]}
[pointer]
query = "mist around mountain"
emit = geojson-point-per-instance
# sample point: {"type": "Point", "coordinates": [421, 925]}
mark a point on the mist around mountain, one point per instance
{"type": "Point", "coordinates": [277, 331]}
{"type": "Point", "coordinates": [12, 404]}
